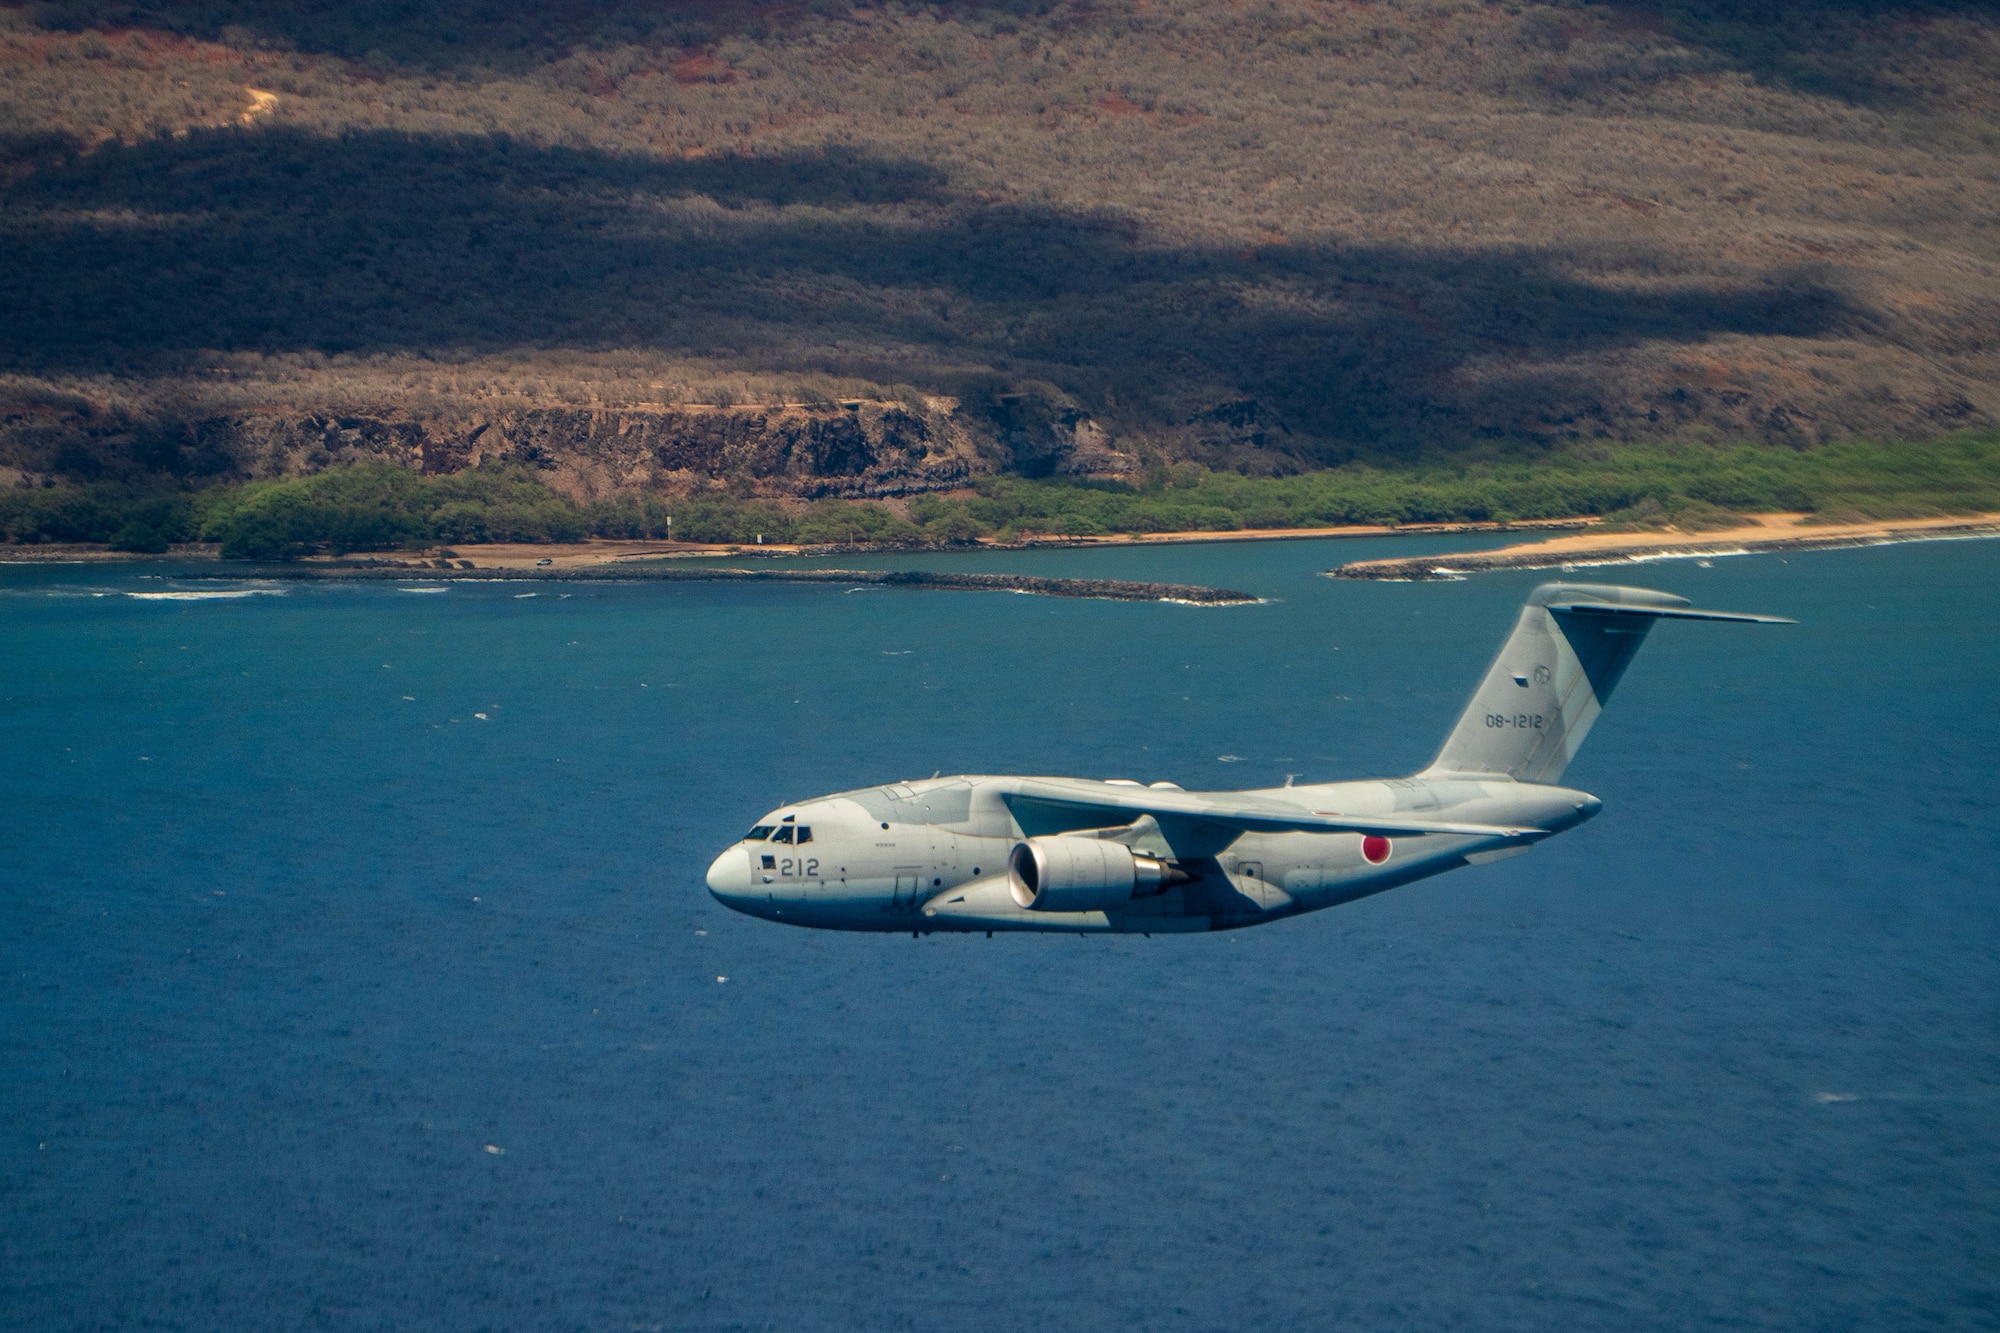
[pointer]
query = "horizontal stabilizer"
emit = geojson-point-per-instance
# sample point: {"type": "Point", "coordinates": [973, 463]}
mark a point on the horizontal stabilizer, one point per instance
{"type": "Point", "coordinates": [1664, 613]}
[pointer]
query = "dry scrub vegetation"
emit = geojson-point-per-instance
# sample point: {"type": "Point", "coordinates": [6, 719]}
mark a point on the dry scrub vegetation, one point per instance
{"type": "Point", "coordinates": [1265, 236]}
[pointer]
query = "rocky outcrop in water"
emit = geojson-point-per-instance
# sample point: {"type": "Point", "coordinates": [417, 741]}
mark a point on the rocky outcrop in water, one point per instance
{"type": "Point", "coordinates": [1117, 590]}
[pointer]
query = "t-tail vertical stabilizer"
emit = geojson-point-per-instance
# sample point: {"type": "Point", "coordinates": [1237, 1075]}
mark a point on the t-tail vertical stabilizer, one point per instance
{"type": "Point", "coordinates": [1554, 675]}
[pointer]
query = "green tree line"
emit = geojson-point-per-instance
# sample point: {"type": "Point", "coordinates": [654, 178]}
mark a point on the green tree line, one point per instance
{"type": "Point", "coordinates": [377, 506]}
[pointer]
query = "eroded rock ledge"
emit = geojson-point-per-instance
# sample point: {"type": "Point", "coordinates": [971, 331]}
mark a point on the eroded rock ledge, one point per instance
{"type": "Point", "coordinates": [852, 449]}
{"type": "Point", "coordinates": [1119, 590]}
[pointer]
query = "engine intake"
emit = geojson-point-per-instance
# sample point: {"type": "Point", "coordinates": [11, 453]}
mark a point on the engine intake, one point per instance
{"type": "Point", "coordinates": [1083, 875]}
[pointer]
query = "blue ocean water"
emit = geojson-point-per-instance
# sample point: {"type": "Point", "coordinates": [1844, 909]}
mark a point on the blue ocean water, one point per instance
{"type": "Point", "coordinates": [359, 972]}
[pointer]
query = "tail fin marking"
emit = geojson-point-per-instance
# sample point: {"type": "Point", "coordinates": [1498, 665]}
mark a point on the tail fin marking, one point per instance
{"type": "Point", "coordinates": [1553, 677]}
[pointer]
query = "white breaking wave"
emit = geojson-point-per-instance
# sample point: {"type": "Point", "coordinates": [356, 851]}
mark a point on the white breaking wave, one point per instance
{"type": "Point", "coordinates": [208, 594]}
{"type": "Point", "coordinates": [1685, 555]}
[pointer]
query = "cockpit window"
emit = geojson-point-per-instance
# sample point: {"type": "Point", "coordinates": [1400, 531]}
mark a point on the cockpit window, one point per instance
{"type": "Point", "coordinates": [758, 834]}
{"type": "Point", "coordinates": [805, 833]}
{"type": "Point", "coordinates": [784, 833]}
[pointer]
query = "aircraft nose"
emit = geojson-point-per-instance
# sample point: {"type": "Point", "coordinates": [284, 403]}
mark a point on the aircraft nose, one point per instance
{"type": "Point", "coordinates": [729, 876]}
{"type": "Point", "coordinates": [1588, 807]}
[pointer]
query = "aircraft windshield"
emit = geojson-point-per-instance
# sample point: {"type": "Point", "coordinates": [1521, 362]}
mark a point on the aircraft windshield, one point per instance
{"type": "Point", "coordinates": [784, 833]}
{"type": "Point", "coordinates": [758, 834]}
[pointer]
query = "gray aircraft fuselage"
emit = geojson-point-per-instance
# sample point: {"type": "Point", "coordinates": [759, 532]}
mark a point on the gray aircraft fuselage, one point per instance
{"type": "Point", "coordinates": [1081, 856]}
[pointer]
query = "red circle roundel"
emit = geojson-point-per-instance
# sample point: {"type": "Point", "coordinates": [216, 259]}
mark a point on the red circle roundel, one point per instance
{"type": "Point", "coordinates": [1375, 849]}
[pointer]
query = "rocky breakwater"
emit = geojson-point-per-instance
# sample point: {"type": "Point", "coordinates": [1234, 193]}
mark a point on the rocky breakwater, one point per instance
{"type": "Point", "coordinates": [1118, 590]}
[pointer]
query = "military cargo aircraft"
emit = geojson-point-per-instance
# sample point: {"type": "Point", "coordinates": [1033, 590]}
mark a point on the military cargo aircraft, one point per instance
{"type": "Point", "coordinates": [1080, 856]}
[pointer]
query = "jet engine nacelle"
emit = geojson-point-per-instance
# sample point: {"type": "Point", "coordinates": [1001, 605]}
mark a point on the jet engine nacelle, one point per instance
{"type": "Point", "coordinates": [1082, 875]}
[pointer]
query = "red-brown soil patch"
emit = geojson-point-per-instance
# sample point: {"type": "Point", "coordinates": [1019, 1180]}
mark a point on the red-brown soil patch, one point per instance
{"type": "Point", "coordinates": [702, 67]}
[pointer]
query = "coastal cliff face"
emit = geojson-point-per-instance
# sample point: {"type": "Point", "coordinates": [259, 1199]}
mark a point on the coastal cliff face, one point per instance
{"type": "Point", "coordinates": [54, 433]}
{"type": "Point", "coordinates": [859, 448]}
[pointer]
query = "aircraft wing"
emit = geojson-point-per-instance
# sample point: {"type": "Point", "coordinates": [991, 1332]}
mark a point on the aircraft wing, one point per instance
{"type": "Point", "coordinates": [1664, 613]}
{"type": "Point", "coordinates": [1056, 806]}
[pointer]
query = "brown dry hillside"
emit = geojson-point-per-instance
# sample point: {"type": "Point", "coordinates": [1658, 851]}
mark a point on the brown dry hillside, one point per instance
{"type": "Point", "coordinates": [836, 249]}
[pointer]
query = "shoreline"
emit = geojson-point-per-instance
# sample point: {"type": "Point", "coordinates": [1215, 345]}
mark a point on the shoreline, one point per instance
{"type": "Point", "coordinates": [637, 559]}
{"type": "Point", "coordinates": [1771, 532]}
{"type": "Point", "coordinates": [598, 551]}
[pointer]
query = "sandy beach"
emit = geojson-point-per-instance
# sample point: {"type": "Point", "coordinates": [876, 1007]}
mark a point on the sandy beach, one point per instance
{"type": "Point", "coordinates": [1767, 532]}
